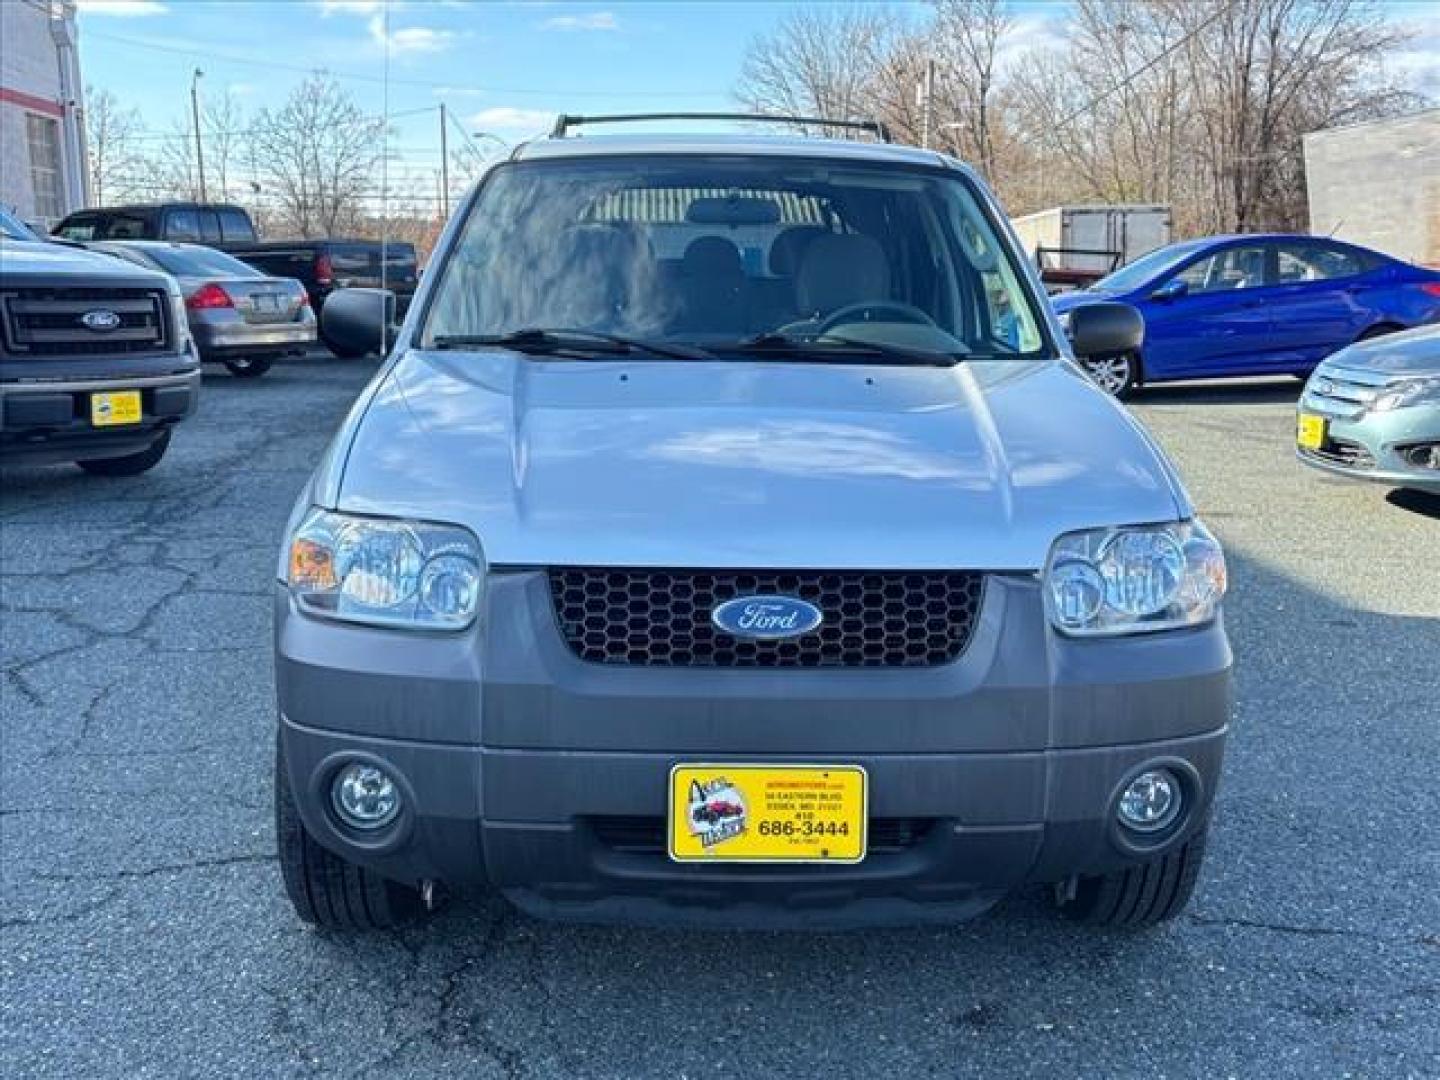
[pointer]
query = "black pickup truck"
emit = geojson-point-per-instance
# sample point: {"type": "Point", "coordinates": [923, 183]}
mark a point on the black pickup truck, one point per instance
{"type": "Point", "coordinates": [96, 364]}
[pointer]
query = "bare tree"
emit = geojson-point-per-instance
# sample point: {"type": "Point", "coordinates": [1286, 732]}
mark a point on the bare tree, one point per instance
{"type": "Point", "coordinates": [819, 62]}
{"type": "Point", "coordinates": [225, 132]}
{"type": "Point", "coordinates": [318, 154]}
{"type": "Point", "coordinates": [111, 138]}
{"type": "Point", "coordinates": [173, 169]}
{"type": "Point", "coordinates": [1203, 103]}
{"type": "Point", "coordinates": [967, 37]}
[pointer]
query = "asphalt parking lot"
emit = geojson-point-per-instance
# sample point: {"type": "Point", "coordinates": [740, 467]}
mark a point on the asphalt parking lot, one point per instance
{"type": "Point", "coordinates": [143, 931]}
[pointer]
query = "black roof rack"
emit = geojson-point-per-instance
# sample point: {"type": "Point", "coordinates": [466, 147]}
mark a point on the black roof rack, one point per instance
{"type": "Point", "coordinates": [564, 122]}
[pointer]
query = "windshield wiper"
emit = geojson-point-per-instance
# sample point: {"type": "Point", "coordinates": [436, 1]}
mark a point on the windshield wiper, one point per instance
{"type": "Point", "coordinates": [539, 341]}
{"type": "Point", "coordinates": [832, 347]}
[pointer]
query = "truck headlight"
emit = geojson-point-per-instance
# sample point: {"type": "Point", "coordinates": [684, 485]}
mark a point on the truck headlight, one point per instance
{"type": "Point", "coordinates": [1134, 580]}
{"type": "Point", "coordinates": [386, 572]}
{"type": "Point", "coordinates": [1403, 394]}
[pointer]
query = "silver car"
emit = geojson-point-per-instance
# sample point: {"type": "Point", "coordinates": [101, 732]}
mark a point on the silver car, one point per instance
{"type": "Point", "coordinates": [237, 315]}
{"type": "Point", "coordinates": [730, 539]}
{"type": "Point", "coordinates": [1372, 411]}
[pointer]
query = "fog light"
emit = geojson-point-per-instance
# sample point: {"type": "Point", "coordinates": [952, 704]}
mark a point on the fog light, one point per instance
{"type": "Point", "coordinates": [365, 796]}
{"type": "Point", "coordinates": [1151, 802]}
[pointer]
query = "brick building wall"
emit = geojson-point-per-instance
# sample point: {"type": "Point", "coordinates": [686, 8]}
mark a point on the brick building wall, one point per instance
{"type": "Point", "coordinates": [40, 147]}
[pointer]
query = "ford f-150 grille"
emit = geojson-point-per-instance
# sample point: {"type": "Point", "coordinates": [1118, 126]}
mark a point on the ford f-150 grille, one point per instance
{"type": "Point", "coordinates": [83, 321]}
{"type": "Point", "coordinates": [661, 618]}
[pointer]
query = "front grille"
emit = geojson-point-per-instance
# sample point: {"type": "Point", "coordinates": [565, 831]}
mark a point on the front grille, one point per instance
{"type": "Point", "coordinates": [647, 834]}
{"type": "Point", "coordinates": [661, 618]}
{"type": "Point", "coordinates": [48, 321]}
{"type": "Point", "coordinates": [1344, 452]}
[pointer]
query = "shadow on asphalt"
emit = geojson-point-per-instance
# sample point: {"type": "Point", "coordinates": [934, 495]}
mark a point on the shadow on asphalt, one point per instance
{"type": "Point", "coordinates": [1417, 502]}
{"type": "Point", "coordinates": [1280, 391]}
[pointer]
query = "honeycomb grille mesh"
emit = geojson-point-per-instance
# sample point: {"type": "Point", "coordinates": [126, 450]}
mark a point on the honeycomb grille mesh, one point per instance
{"type": "Point", "coordinates": [661, 618]}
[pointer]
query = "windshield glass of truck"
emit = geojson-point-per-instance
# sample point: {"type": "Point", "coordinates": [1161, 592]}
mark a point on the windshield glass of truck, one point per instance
{"type": "Point", "coordinates": [716, 251]}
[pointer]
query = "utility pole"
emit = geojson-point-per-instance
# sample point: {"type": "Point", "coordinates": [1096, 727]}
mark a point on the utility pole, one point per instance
{"type": "Point", "coordinates": [195, 118]}
{"type": "Point", "coordinates": [928, 104]}
{"type": "Point", "coordinates": [444, 167]}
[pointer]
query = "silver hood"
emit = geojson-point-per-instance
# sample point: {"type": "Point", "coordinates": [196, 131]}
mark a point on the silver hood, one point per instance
{"type": "Point", "coordinates": [763, 464]}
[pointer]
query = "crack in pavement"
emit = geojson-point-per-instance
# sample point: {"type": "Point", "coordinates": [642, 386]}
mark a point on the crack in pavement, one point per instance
{"type": "Point", "coordinates": [1301, 931]}
{"type": "Point", "coordinates": [157, 871]}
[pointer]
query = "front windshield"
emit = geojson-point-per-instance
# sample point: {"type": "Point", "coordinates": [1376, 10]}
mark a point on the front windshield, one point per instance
{"type": "Point", "coordinates": [199, 262]}
{"type": "Point", "coordinates": [710, 251]}
{"type": "Point", "coordinates": [1146, 268]}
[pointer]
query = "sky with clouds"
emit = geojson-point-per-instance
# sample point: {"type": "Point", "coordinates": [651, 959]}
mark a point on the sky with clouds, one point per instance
{"type": "Point", "coordinates": [502, 68]}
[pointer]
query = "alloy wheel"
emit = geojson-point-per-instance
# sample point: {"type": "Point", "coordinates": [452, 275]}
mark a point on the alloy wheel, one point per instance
{"type": "Point", "coordinates": [1111, 373]}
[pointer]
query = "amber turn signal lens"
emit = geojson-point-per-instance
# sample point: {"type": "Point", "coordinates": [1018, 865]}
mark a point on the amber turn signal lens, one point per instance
{"type": "Point", "coordinates": [311, 566]}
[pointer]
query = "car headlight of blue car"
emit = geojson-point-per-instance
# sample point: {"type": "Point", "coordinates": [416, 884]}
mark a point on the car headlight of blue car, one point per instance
{"type": "Point", "coordinates": [1104, 582]}
{"type": "Point", "coordinates": [386, 572]}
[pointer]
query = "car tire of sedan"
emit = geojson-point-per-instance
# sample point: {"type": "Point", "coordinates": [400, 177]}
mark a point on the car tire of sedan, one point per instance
{"type": "Point", "coordinates": [1139, 896]}
{"type": "Point", "coordinates": [130, 464]}
{"type": "Point", "coordinates": [248, 367]}
{"type": "Point", "coordinates": [1117, 375]}
{"type": "Point", "coordinates": [326, 890]}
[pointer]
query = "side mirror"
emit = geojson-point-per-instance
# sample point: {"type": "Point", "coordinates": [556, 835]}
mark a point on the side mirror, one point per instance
{"type": "Point", "coordinates": [358, 321]}
{"type": "Point", "coordinates": [1105, 328]}
{"type": "Point", "coordinates": [1171, 290]}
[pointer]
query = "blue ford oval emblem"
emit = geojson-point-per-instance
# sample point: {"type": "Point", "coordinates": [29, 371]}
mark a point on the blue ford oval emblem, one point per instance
{"type": "Point", "coordinates": [101, 320]}
{"type": "Point", "coordinates": [766, 617]}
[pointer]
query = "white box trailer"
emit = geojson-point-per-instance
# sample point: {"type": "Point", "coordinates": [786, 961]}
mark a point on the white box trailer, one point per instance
{"type": "Point", "coordinates": [1075, 245]}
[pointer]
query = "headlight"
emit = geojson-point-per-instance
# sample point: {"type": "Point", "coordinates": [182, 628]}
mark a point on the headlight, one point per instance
{"type": "Point", "coordinates": [1134, 580]}
{"type": "Point", "coordinates": [1401, 395]}
{"type": "Point", "coordinates": [386, 572]}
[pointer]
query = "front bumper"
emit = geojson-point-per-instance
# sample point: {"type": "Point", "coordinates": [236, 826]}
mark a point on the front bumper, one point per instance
{"type": "Point", "coordinates": [1374, 446]}
{"type": "Point", "coordinates": [46, 422]}
{"type": "Point", "coordinates": [545, 776]}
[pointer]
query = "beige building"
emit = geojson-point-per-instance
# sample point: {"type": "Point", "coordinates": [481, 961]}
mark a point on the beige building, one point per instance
{"type": "Point", "coordinates": [42, 133]}
{"type": "Point", "coordinates": [1378, 184]}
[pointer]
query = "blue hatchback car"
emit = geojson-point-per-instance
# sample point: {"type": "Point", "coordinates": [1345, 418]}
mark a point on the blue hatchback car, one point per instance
{"type": "Point", "coordinates": [1261, 304]}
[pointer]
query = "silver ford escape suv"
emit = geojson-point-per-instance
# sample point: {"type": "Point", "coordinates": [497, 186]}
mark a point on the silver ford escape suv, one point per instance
{"type": "Point", "coordinates": [731, 540]}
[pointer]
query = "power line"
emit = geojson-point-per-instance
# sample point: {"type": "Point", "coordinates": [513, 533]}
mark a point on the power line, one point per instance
{"type": "Point", "coordinates": [1132, 76]}
{"type": "Point", "coordinates": [213, 56]}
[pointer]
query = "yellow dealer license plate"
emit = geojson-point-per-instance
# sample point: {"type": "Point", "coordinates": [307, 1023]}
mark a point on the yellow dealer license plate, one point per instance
{"type": "Point", "coordinates": [767, 813]}
{"type": "Point", "coordinates": [1311, 432]}
{"type": "Point", "coordinates": [115, 407]}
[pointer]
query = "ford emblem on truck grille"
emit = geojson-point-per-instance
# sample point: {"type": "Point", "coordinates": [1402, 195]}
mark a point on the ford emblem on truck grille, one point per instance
{"type": "Point", "coordinates": [766, 617]}
{"type": "Point", "coordinates": [101, 320]}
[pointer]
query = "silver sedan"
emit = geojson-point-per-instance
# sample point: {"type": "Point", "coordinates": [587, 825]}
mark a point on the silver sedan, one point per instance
{"type": "Point", "coordinates": [237, 315]}
{"type": "Point", "coordinates": [1372, 411]}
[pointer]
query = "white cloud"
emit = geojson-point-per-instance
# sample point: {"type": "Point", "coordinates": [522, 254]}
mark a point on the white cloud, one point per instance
{"type": "Point", "coordinates": [1415, 62]}
{"type": "Point", "coordinates": [512, 119]}
{"type": "Point", "coordinates": [350, 7]}
{"type": "Point", "coordinates": [597, 20]}
{"type": "Point", "coordinates": [411, 39]}
{"type": "Point", "coordinates": [123, 8]}
{"type": "Point", "coordinates": [1030, 31]}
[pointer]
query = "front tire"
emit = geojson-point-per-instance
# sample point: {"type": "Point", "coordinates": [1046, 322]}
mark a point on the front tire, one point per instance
{"type": "Point", "coordinates": [1139, 896]}
{"type": "Point", "coordinates": [248, 367]}
{"type": "Point", "coordinates": [130, 464]}
{"type": "Point", "coordinates": [324, 889]}
{"type": "Point", "coordinates": [1118, 375]}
